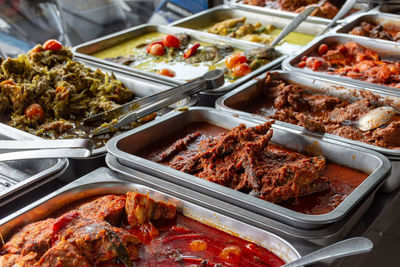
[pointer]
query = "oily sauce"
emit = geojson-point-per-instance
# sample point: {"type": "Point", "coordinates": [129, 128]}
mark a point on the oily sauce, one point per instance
{"type": "Point", "coordinates": [343, 180]}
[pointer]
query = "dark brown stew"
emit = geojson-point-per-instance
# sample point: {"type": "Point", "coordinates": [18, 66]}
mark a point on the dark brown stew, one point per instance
{"type": "Point", "coordinates": [242, 159]}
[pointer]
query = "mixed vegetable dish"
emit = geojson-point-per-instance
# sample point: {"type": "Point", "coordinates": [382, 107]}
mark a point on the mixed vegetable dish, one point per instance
{"type": "Point", "coordinates": [47, 93]}
{"type": "Point", "coordinates": [128, 230]}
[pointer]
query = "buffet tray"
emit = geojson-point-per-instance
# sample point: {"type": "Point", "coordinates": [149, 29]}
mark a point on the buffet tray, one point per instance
{"type": "Point", "coordinates": [251, 91]}
{"type": "Point", "coordinates": [376, 17]}
{"type": "Point", "coordinates": [382, 47]}
{"type": "Point", "coordinates": [104, 181]}
{"type": "Point", "coordinates": [21, 176]}
{"type": "Point", "coordinates": [305, 240]}
{"type": "Point", "coordinates": [392, 8]}
{"type": "Point", "coordinates": [361, 7]}
{"type": "Point", "coordinates": [343, 154]}
{"type": "Point", "coordinates": [84, 51]}
{"type": "Point", "coordinates": [208, 17]}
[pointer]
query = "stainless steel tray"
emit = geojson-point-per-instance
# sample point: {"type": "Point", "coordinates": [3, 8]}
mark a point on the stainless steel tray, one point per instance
{"type": "Point", "coordinates": [219, 13]}
{"type": "Point", "coordinates": [105, 181]}
{"type": "Point", "coordinates": [362, 7]}
{"type": "Point", "coordinates": [139, 86]}
{"type": "Point", "coordinates": [250, 91]}
{"type": "Point", "coordinates": [305, 241]}
{"type": "Point", "coordinates": [84, 51]}
{"type": "Point", "coordinates": [376, 17]}
{"type": "Point", "coordinates": [21, 176]}
{"type": "Point", "coordinates": [343, 154]}
{"type": "Point", "coordinates": [382, 47]}
{"type": "Point", "coordinates": [389, 8]}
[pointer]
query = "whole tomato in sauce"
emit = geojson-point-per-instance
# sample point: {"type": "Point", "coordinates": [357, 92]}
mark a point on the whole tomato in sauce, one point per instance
{"type": "Point", "coordinates": [52, 44]}
{"type": "Point", "coordinates": [35, 112]}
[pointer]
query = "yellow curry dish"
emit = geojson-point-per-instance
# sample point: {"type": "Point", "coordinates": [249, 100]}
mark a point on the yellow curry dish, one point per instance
{"type": "Point", "coordinates": [180, 57]}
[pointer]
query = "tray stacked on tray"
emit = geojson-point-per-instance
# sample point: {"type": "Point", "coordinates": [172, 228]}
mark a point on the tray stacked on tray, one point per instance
{"type": "Point", "coordinates": [127, 148]}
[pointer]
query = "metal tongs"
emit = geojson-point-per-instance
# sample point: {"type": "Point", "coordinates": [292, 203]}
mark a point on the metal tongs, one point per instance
{"type": "Point", "coordinates": [45, 149]}
{"type": "Point", "coordinates": [137, 109]}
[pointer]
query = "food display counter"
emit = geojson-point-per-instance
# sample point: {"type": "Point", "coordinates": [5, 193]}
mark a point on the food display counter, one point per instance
{"type": "Point", "coordinates": [296, 147]}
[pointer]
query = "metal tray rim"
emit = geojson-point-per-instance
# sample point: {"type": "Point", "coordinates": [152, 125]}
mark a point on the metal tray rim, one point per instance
{"type": "Point", "coordinates": [332, 216]}
{"type": "Point", "coordinates": [110, 177]}
{"type": "Point", "coordinates": [162, 78]}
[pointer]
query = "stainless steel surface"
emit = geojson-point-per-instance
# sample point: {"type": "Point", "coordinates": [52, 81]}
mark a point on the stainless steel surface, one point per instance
{"type": "Point", "coordinates": [306, 240]}
{"type": "Point", "coordinates": [296, 22]}
{"type": "Point", "coordinates": [343, 154]}
{"type": "Point", "coordinates": [393, 8]}
{"type": "Point", "coordinates": [145, 106]}
{"type": "Point", "coordinates": [250, 91]}
{"type": "Point", "coordinates": [362, 7]}
{"type": "Point", "coordinates": [84, 51]}
{"type": "Point", "coordinates": [209, 17]}
{"type": "Point", "coordinates": [347, 247]}
{"type": "Point", "coordinates": [347, 6]}
{"type": "Point", "coordinates": [372, 16]}
{"type": "Point", "coordinates": [105, 181]}
{"type": "Point", "coordinates": [383, 48]}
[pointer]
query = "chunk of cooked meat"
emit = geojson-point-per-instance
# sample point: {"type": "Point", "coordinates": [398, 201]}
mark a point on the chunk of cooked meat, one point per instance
{"type": "Point", "coordinates": [241, 159]}
{"type": "Point", "coordinates": [63, 254]}
{"type": "Point", "coordinates": [109, 208]}
{"type": "Point", "coordinates": [35, 237]}
{"type": "Point", "coordinates": [15, 260]}
{"type": "Point", "coordinates": [178, 146]}
{"type": "Point", "coordinates": [141, 208]}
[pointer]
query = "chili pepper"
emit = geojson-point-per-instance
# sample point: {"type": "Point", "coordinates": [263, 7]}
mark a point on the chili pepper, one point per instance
{"type": "Point", "coordinates": [191, 50]}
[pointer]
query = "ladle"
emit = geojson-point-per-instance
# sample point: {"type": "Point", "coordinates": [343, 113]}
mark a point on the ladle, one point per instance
{"type": "Point", "coordinates": [347, 247]}
{"type": "Point", "coordinates": [375, 118]}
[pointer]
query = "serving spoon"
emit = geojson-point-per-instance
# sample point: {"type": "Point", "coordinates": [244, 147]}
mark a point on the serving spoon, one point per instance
{"type": "Point", "coordinates": [347, 247]}
{"type": "Point", "coordinates": [375, 118]}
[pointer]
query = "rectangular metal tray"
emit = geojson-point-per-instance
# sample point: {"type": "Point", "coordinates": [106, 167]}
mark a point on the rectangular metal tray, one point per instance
{"type": "Point", "coordinates": [21, 176]}
{"type": "Point", "coordinates": [305, 240]}
{"type": "Point", "coordinates": [84, 51]}
{"type": "Point", "coordinates": [376, 17]}
{"type": "Point", "coordinates": [139, 86]}
{"type": "Point", "coordinates": [382, 47]}
{"type": "Point", "coordinates": [219, 13]}
{"type": "Point", "coordinates": [343, 154]}
{"type": "Point", "coordinates": [362, 7]}
{"type": "Point", "coordinates": [250, 91]}
{"type": "Point", "coordinates": [104, 181]}
{"type": "Point", "coordinates": [389, 8]}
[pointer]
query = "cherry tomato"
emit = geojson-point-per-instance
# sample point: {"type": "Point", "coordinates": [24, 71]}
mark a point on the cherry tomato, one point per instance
{"type": "Point", "coordinates": [34, 112]}
{"type": "Point", "coordinates": [241, 70]}
{"type": "Point", "coordinates": [52, 45]}
{"type": "Point", "coordinates": [191, 50]}
{"type": "Point", "coordinates": [233, 60]}
{"type": "Point", "coordinates": [301, 64]}
{"type": "Point", "coordinates": [322, 49]}
{"type": "Point", "coordinates": [316, 64]}
{"type": "Point", "coordinates": [170, 40]}
{"type": "Point", "coordinates": [303, 58]}
{"type": "Point", "coordinates": [156, 49]}
{"type": "Point", "coordinates": [166, 72]}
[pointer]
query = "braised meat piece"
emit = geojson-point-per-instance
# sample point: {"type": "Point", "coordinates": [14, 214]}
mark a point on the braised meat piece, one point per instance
{"type": "Point", "coordinates": [241, 159]}
{"type": "Point", "coordinates": [63, 254]}
{"type": "Point", "coordinates": [35, 237]}
{"type": "Point", "coordinates": [379, 31]}
{"type": "Point", "coordinates": [179, 145]}
{"type": "Point", "coordinates": [141, 208]}
{"type": "Point", "coordinates": [108, 208]}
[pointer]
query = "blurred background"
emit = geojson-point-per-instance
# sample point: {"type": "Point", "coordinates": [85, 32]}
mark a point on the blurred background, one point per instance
{"type": "Point", "coordinates": [25, 23]}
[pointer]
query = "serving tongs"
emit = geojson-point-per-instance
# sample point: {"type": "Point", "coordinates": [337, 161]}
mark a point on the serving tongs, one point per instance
{"type": "Point", "coordinates": [347, 6]}
{"type": "Point", "coordinates": [45, 149]}
{"type": "Point", "coordinates": [134, 110]}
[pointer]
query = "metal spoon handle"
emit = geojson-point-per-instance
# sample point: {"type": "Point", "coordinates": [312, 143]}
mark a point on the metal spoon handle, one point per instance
{"type": "Point", "coordinates": [294, 24]}
{"type": "Point", "coordinates": [343, 248]}
{"type": "Point", "coordinates": [342, 12]}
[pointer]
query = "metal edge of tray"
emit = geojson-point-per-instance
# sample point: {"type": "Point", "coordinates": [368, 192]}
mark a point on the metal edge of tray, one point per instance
{"type": "Point", "coordinates": [301, 79]}
{"type": "Point", "coordinates": [84, 51]}
{"type": "Point", "coordinates": [300, 238]}
{"type": "Point", "coordinates": [380, 46]}
{"type": "Point", "coordinates": [362, 8]}
{"type": "Point", "coordinates": [135, 82]}
{"type": "Point", "coordinates": [105, 181]}
{"type": "Point", "coordinates": [377, 17]}
{"type": "Point", "coordinates": [382, 8]}
{"type": "Point", "coordinates": [298, 142]}
{"type": "Point", "coordinates": [217, 14]}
